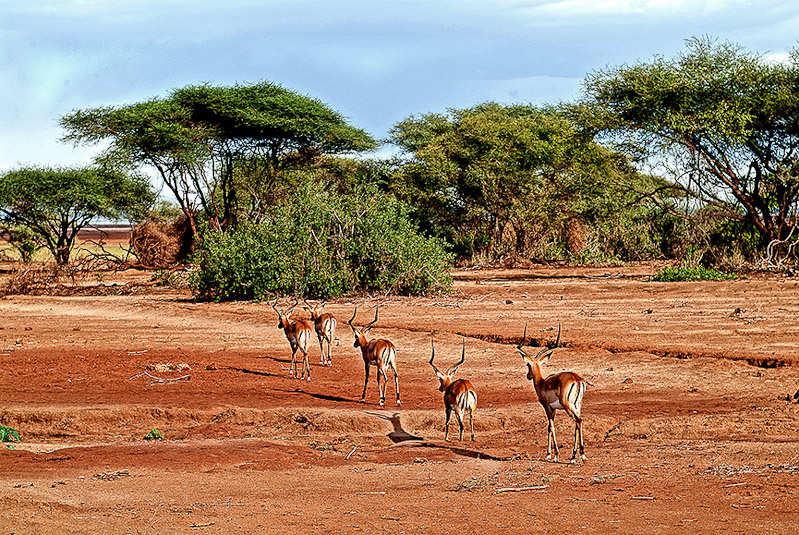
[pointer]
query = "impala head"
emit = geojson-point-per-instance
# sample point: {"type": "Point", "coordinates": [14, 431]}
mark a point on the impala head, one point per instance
{"type": "Point", "coordinates": [445, 378]}
{"type": "Point", "coordinates": [542, 355]}
{"type": "Point", "coordinates": [360, 335]}
{"type": "Point", "coordinates": [313, 309]}
{"type": "Point", "coordinates": [283, 316]}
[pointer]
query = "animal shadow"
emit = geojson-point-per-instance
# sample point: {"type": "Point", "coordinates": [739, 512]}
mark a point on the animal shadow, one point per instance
{"type": "Point", "coordinates": [398, 434]}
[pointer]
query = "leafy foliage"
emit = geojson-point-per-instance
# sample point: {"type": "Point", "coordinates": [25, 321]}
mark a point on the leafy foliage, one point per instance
{"type": "Point", "coordinates": [322, 244]}
{"type": "Point", "coordinates": [222, 151]}
{"type": "Point", "coordinates": [55, 203]}
{"type": "Point", "coordinates": [9, 434]}
{"type": "Point", "coordinates": [690, 273]}
{"type": "Point", "coordinates": [499, 180]}
{"type": "Point", "coordinates": [725, 121]}
{"type": "Point", "coordinates": [154, 434]}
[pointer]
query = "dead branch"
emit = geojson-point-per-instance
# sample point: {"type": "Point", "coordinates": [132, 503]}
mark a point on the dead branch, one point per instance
{"type": "Point", "coordinates": [520, 489]}
{"type": "Point", "coordinates": [161, 379]}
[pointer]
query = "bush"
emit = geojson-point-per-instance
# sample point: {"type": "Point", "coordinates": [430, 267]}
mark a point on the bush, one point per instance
{"type": "Point", "coordinates": [154, 434]}
{"type": "Point", "coordinates": [322, 245]}
{"type": "Point", "coordinates": [686, 273]}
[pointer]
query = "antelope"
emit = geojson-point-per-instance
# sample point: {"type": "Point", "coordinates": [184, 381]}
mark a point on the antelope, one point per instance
{"type": "Point", "coordinates": [459, 396]}
{"type": "Point", "coordinates": [325, 327]}
{"type": "Point", "coordinates": [563, 390]}
{"type": "Point", "coordinates": [297, 333]}
{"type": "Point", "coordinates": [379, 353]}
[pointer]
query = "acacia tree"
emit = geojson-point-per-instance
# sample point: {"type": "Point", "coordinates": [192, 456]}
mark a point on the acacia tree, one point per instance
{"type": "Point", "coordinates": [476, 172]}
{"type": "Point", "coordinates": [56, 203]}
{"type": "Point", "coordinates": [221, 151]}
{"type": "Point", "coordinates": [727, 119]}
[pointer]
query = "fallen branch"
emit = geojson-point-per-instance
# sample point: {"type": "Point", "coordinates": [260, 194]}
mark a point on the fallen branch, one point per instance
{"type": "Point", "coordinates": [642, 497]}
{"type": "Point", "coordinates": [520, 489]}
{"type": "Point", "coordinates": [161, 379]}
{"type": "Point", "coordinates": [347, 458]}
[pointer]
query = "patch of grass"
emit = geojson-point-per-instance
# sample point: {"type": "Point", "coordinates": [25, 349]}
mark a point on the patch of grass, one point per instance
{"type": "Point", "coordinates": [9, 434]}
{"type": "Point", "coordinates": [685, 273]}
{"type": "Point", "coordinates": [154, 434]}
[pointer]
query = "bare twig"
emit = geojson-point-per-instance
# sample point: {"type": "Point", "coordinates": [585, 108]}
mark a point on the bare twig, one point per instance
{"type": "Point", "coordinates": [347, 458]}
{"type": "Point", "coordinates": [520, 489]}
{"type": "Point", "coordinates": [161, 379]}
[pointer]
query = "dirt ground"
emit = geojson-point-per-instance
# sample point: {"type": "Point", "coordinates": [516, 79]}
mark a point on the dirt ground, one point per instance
{"type": "Point", "coordinates": [689, 420]}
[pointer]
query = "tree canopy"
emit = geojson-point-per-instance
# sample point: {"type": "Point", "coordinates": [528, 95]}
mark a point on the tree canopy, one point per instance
{"type": "Point", "coordinates": [725, 120]}
{"type": "Point", "coordinates": [220, 150]}
{"type": "Point", "coordinates": [56, 203]}
{"type": "Point", "coordinates": [483, 172]}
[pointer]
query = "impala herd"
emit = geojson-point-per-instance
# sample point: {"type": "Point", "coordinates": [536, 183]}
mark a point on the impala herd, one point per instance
{"type": "Point", "coordinates": [559, 391]}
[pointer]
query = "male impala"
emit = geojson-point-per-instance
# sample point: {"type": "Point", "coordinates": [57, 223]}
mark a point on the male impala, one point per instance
{"type": "Point", "coordinates": [297, 333]}
{"type": "Point", "coordinates": [459, 396]}
{"type": "Point", "coordinates": [325, 326]}
{"type": "Point", "coordinates": [564, 390]}
{"type": "Point", "coordinates": [379, 353]}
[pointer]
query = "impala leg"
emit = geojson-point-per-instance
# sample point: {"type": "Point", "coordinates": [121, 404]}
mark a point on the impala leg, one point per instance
{"type": "Point", "coordinates": [396, 383]}
{"type": "Point", "coordinates": [576, 439]}
{"type": "Point", "coordinates": [306, 365]}
{"type": "Point", "coordinates": [329, 351]}
{"type": "Point", "coordinates": [552, 441]}
{"type": "Point", "coordinates": [294, 362]}
{"type": "Point", "coordinates": [321, 349]}
{"type": "Point", "coordinates": [582, 446]}
{"type": "Point", "coordinates": [471, 422]}
{"type": "Point", "coordinates": [365, 382]}
{"type": "Point", "coordinates": [446, 424]}
{"type": "Point", "coordinates": [382, 379]}
{"type": "Point", "coordinates": [459, 416]}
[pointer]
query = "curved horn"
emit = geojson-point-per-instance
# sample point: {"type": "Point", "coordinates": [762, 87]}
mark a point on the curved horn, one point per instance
{"type": "Point", "coordinates": [453, 370]}
{"type": "Point", "coordinates": [349, 322]}
{"type": "Point", "coordinates": [369, 325]}
{"type": "Point", "coordinates": [296, 302]}
{"type": "Point", "coordinates": [433, 354]}
{"type": "Point", "coordinates": [274, 307]}
{"type": "Point", "coordinates": [519, 347]}
{"type": "Point", "coordinates": [549, 349]}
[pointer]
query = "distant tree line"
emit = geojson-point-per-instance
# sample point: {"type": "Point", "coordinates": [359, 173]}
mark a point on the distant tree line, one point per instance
{"type": "Point", "coordinates": [689, 158]}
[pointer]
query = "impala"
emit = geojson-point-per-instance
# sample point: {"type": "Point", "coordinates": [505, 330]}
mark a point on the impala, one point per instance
{"type": "Point", "coordinates": [563, 390]}
{"type": "Point", "coordinates": [297, 333]}
{"type": "Point", "coordinates": [379, 353]}
{"type": "Point", "coordinates": [325, 326]}
{"type": "Point", "coordinates": [459, 396]}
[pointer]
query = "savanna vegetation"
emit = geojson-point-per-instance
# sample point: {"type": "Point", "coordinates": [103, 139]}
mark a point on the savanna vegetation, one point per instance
{"type": "Point", "coordinates": [692, 159]}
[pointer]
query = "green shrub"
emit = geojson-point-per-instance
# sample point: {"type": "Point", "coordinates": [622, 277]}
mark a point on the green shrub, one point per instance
{"type": "Point", "coordinates": [323, 245]}
{"type": "Point", "coordinates": [686, 273]}
{"type": "Point", "coordinates": [154, 434]}
{"type": "Point", "coordinates": [9, 434]}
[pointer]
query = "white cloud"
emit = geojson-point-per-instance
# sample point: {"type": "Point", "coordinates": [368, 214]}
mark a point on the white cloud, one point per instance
{"type": "Point", "coordinates": [636, 7]}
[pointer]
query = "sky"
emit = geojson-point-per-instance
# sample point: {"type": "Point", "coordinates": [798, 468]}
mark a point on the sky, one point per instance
{"type": "Point", "coordinates": [376, 62]}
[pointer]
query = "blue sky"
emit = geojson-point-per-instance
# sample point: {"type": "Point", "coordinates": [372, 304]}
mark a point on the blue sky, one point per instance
{"type": "Point", "coordinates": [375, 61]}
